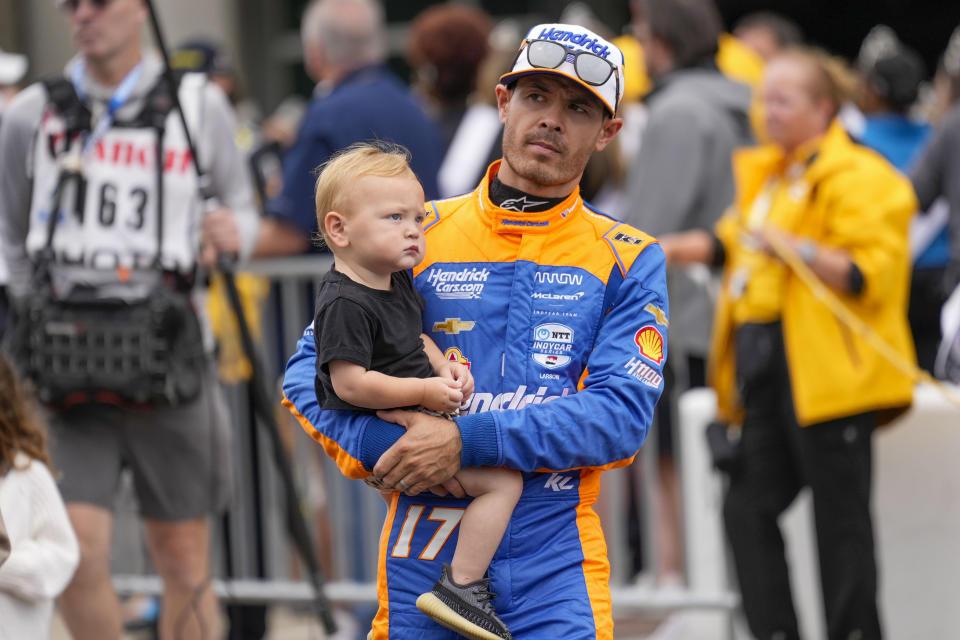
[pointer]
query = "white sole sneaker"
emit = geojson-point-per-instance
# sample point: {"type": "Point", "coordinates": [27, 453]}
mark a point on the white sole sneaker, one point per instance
{"type": "Point", "coordinates": [444, 615]}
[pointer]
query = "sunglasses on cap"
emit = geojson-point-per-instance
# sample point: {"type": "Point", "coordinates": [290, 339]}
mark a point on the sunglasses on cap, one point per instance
{"type": "Point", "coordinates": [591, 68]}
{"type": "Point", "coordinates": [73, 5]}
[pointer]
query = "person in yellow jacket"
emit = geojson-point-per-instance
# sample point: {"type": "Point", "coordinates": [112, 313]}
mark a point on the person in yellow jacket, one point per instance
{"type": "Point", "coordinates": [807, 390]}
{"type": "Point", "coordinates": [755, 39]}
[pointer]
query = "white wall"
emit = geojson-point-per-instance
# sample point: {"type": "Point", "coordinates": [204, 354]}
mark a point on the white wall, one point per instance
{"type": "Point", "coordinates": [917, 511]}
{"type": "Point", "coordinates": [916, 505]}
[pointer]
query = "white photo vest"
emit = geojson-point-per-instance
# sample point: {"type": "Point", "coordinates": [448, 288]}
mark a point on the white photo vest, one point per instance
{"type": "Point", "coordinates": [106, 233]}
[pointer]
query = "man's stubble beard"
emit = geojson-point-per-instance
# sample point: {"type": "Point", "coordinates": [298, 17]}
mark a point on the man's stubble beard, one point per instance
{"type": "Point", "coordinates": [561, 171]}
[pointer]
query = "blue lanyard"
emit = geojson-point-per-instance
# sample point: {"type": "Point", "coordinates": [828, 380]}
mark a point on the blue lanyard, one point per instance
{"type": "Point", "coordinates": [120, 96]}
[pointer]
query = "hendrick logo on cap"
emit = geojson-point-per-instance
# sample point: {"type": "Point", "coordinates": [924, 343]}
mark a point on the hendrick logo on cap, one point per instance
{"type": "Point", "coordinates": [576, 53]}
{"type": "Point", "coordinates": [583, 40]}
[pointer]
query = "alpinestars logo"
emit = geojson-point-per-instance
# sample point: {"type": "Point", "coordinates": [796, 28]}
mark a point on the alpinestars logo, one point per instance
{"type": "Point", "coordinates": [520, 204]}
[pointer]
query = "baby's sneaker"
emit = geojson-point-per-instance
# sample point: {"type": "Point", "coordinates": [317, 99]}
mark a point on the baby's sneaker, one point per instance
{"type": "Point", "coordinates": [465, 609]}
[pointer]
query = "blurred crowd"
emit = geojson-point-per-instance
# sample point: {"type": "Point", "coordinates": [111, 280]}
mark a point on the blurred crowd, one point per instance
{"type": "Point", "coordinates": [698, 92]}
{"type": "Point", "coordinates": [690, 81]}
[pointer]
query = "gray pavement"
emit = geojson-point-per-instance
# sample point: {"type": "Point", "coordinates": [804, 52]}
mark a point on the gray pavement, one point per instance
{"type": "Point", "coordinates": [286, 624]}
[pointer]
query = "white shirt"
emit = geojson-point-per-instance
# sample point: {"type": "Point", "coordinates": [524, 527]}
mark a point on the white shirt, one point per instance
{"type": "Point", "coordinates": [43, 550]}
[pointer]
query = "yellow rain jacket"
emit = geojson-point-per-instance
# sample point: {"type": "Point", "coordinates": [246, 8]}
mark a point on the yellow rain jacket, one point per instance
{"type": "Point", "coordinates": [845, 197]}
{"type": "Point", "coordinates": [739, 62]}
{"type": "Point", "coordinates": [636, 82]}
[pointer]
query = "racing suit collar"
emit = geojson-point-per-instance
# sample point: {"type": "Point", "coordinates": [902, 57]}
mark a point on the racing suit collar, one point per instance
{"type": "Point", "coordinates": [528, 222]}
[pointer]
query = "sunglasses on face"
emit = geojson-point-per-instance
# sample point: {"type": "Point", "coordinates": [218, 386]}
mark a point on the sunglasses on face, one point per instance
{"type": "Point", "coordinates": [72, 5]}
{"type": "Point", "coordinates": [591, 68]}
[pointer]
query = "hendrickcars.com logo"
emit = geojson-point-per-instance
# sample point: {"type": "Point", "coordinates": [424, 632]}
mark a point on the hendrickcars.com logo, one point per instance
{"type": "Point", "coordinates": [458, 284]}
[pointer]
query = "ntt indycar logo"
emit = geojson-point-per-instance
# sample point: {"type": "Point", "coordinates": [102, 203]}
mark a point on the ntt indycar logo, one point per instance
{"type": "Point", "coordinates": [462, 284]}
{"type": "Point", "coordinates": [552, 342]}
{"type": "Point", "coordinates": [510, 400]}
{"type": "Point", "coordinates": [580, 39]}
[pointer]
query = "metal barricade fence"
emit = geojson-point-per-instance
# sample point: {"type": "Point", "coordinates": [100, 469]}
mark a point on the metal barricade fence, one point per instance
{"type": "Point", "coordinates": [253, 559]}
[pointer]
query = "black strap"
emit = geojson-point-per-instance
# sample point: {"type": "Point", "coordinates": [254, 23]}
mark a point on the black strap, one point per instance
{"type": "Point", "coordinates": [158, 261]}
{"type": "Point", "coordinates": [77, 120]}
{"type": "Point", "coordinates": [157, 105]}
{"type": "Point", "coordinates": [156, 108]}
{"type": "Point", "coordinates": [63, 96]}
{"type": "Point", "coordinates": [76, 116]}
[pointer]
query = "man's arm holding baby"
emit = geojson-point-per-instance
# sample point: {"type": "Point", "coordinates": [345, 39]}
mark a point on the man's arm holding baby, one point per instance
{"type": "Point", "coordinates": [356, 440]}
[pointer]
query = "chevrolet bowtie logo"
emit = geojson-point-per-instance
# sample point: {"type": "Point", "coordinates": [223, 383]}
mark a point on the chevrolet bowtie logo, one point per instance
{"type": "Point", "coordinates": [453, 326]}
{"type": "Point", "coordinates": [659, 314]}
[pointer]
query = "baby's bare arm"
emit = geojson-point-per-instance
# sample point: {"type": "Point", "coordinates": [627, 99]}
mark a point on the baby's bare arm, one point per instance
{"type": "Point", "coordinates": [457, 372]}
{"type": "Point", "coordinates": [437, 362]}
{"type": "Point", "coordinates": [374, 390]}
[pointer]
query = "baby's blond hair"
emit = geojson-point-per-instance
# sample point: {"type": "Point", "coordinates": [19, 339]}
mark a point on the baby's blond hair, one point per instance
{"type": "Point", "coordinates": [351, 163]}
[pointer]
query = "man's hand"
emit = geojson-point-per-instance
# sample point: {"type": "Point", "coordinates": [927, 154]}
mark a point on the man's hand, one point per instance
{"type": "Point", "coordinates": [450, 487]}
{"type": "Point", "coordinates": [220, 235]}
{"type": "Point", "coordinates": [428, 454]}
{"type": "Point", "coordinates": [441, 394]}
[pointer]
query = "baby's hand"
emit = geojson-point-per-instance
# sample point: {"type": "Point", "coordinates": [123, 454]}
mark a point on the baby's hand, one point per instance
{"type": "Point", "coordinates": [461, 373]}
{"type": "Point", "coordinates": [442, 394]}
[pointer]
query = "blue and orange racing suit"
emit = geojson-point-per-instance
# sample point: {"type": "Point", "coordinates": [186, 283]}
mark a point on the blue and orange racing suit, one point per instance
{"type": "Point", "coordinates": [562, 318]}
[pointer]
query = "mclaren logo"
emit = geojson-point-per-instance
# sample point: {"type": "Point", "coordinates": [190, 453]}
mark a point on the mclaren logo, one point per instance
{"type": "Point", "coordinates": [453, 326]}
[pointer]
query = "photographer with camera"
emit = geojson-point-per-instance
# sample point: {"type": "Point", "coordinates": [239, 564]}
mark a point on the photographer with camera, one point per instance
{"type": "Point", "coordinates": [103, 224]}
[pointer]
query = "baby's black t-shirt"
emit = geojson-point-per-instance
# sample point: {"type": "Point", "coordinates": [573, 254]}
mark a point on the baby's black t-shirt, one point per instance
{"type": "Point", "coordinates": [379, 330]}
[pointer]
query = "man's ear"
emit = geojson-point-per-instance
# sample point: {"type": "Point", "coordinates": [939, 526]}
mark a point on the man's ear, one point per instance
{"type": "Point", "coordinates": [503, 101]}
{"type": "Point", "coordinates": [608, 132]}
{"type": "Point", "coordinates": [335, 229]}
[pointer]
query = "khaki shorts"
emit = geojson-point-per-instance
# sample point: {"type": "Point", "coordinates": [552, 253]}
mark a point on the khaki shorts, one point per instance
{"type": "Point", "coordinates": [180, 457]}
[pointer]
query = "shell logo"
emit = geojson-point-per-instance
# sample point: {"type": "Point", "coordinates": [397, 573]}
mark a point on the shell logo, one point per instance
{"type": "Point", "coordinates": [650, 343]}
{"type": "Point", "coordinates": [454, 354]}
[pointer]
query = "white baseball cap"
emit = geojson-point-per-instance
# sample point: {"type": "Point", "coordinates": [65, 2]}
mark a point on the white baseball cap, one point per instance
{"type": "Point", "coordinates": [575, 53]}
{"type": "Point", "coordinates": [12, 67]}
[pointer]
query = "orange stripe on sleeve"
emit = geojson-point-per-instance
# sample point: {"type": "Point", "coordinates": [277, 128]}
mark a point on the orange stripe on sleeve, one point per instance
{"type": "Point", "coordinates": [348, 465]}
